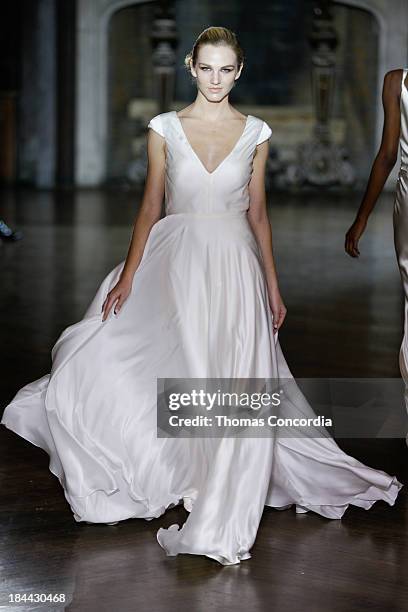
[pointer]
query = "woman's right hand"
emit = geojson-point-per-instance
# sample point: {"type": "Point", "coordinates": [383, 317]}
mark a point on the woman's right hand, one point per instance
{"type": "Point", "coordinates": [353, 235]}
{"type": "Point", "coordinates": [116, 296]}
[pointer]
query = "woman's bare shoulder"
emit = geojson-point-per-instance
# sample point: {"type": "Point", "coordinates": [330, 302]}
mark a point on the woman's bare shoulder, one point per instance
{"type": "Point", "coordinates": [393, 79]}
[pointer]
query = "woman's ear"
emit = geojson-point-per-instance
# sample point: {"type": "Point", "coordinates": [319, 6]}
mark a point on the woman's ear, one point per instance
{"type": "Point", "coordinates": [192, 70]}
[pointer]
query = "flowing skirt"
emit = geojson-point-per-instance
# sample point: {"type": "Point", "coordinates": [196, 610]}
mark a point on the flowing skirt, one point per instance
{"type": "Point", "coordinates": [198, 308]}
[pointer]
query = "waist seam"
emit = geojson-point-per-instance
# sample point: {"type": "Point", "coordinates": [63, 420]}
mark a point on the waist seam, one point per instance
{"type": "Point", "coordinates": [203, 214]}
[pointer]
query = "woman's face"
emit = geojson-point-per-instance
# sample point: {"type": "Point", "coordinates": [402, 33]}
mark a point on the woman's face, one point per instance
{"type": "Point", "coordinates": [216, 71]}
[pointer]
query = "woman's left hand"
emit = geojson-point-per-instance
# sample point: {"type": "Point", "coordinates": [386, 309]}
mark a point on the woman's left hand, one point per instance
{"type": "Point", "coordinates": [278, 309]}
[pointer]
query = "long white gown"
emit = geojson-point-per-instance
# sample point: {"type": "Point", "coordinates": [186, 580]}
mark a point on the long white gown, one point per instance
{"type": "Point", "coordinates": [198, 308]}
{"type": "Point", "coordinates": [400, 224]}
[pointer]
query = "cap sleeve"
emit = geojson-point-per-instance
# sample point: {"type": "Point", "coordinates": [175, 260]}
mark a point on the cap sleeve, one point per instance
{"type": "Point", "coordinates": [265, 133]}
{"type": "Point", "coordinates": [156, 124]}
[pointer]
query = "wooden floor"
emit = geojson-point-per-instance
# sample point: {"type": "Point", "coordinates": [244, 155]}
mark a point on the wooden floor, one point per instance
{"type": "Point", "coordinates": [344, 319]}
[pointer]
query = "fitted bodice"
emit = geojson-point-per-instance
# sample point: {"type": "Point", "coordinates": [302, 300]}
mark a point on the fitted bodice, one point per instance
{"type": "Point", "coordinates": [189, 187]}
{"type": "Point", "coordinates": [404, 122]}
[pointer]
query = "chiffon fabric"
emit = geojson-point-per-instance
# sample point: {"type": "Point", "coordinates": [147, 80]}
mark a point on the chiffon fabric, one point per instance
{"type": "Point", "coordinates": [198, 308]}
{"type": "Point", "coordinates": [400, 223]}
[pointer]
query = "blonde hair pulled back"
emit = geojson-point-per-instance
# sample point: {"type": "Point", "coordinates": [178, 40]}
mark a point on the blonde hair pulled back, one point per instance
{"type": "Point", "coordinates": [214, 35]}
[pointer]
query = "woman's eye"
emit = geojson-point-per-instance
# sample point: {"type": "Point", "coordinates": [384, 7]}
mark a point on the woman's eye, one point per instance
{"type": "Point", "coordinates": [224, 69]}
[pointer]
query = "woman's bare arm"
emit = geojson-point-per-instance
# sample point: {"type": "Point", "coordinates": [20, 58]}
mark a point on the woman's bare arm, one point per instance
{"type": "Point", "coordinates": [148, 214]}
{"type": "Point", "coordinates": [261, 227]}
{"type": "Point", "coordinates": [384, 161]}
{"type": "Point", "coordinates": [151, 205]}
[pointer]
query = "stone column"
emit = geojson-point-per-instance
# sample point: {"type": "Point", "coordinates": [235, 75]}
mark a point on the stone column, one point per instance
{"type": "Point", "coordinates": [37, 95]}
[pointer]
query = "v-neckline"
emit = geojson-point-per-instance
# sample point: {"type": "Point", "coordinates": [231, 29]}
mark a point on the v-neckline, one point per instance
{"type": "Point", "coordinates": [195, 154]}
